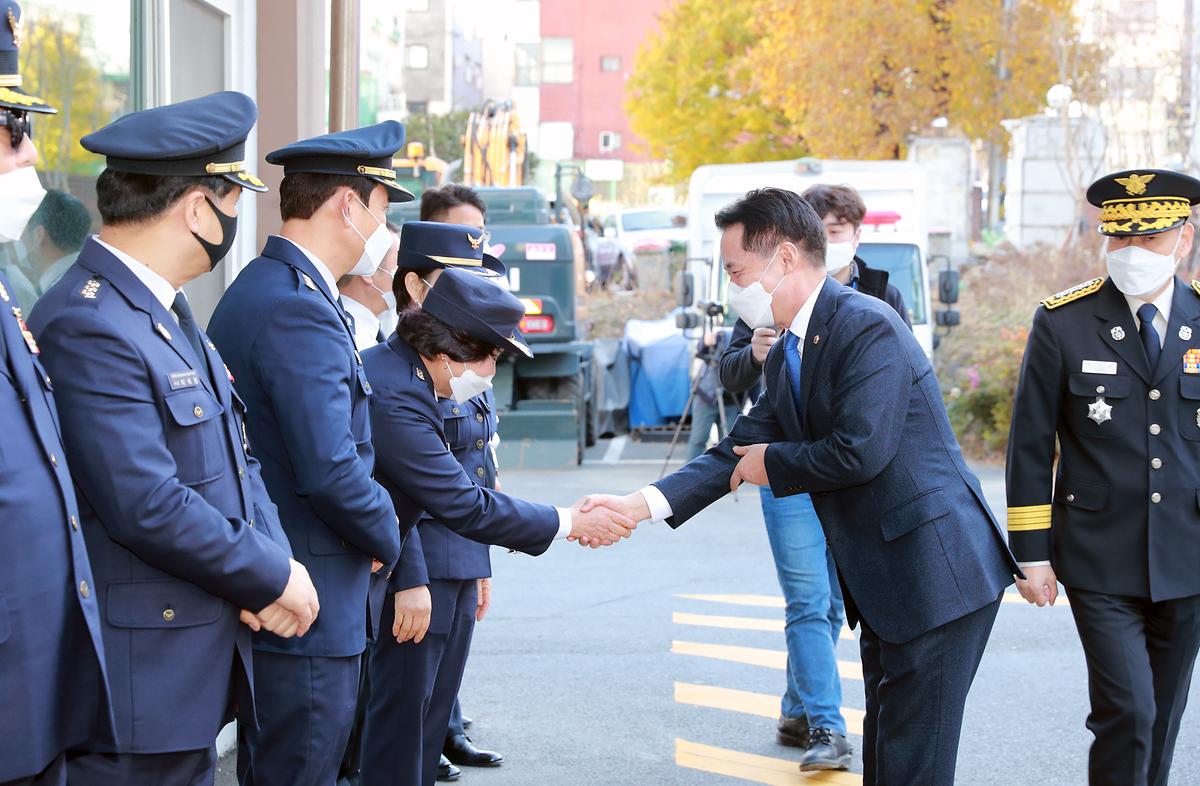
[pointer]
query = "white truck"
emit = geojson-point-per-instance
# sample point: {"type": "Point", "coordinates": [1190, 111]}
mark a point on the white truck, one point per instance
{"type": "Point", "coordinates": [894, 237]}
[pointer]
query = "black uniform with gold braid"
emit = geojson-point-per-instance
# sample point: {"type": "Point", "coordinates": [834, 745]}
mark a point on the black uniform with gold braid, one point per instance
{"type": "Point", "coordinates": [1118, 519]}
{"type": "Point", "coordinates": [12, 36]}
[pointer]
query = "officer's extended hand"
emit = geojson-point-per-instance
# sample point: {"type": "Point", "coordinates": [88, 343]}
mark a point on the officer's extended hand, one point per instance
{"type": "Point", "coordinates": [413, 609]}
{"type": "Point", "coordinates": [1039, 586]}
{"type": "Point", "coordinates": [483, 598]}
{"type": "Point", "coordinates": [299, 597]}
{"type": "Point", "coordinates": [596, 526]}
{"type": "Point", "coordinates": [761, 343]}
{"type": "Point", "coordinates": [752, 468]}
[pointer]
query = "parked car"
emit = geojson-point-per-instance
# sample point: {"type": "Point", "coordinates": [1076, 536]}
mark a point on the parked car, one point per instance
{"type": "Point", "coordinates": [643, 230]}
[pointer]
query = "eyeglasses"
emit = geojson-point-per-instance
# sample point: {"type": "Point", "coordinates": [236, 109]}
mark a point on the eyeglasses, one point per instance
{"type": "Point", "coordinates": [19, 125]}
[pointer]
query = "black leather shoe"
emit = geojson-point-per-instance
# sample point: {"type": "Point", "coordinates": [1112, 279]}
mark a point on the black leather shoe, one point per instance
{"type": "Point", "coordinates": [827, 750]}
{"type": "Point", "coordinates": [460, 750]}
{"type": "Point", "coordinates": [793, 731]}
{"type": "Point", "coordinates": [447, 772]}
{"type": "Point", "coordinates": [466, 722]}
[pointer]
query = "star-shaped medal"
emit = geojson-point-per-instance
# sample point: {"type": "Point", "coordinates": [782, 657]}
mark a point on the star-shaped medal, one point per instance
{"type": "Point", "coordinates": [1099, 411]}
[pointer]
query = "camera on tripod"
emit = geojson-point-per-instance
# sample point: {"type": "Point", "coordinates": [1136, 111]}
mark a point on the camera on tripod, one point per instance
{"type": "Point", "coordinates": [692, 318]}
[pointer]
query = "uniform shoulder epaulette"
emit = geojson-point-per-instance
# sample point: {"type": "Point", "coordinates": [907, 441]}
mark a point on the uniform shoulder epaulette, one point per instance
{"type": "Point", "coordinates": [1196, 286]}
{"type": "Point", "coordinates": [90, 289]}
{"type": "Point", "coordinates": [1074, 293]}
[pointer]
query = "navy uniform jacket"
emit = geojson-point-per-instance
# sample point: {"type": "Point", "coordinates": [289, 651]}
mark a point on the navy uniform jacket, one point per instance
{"type": "Point", "coordinates": [180, 530]}
{"type": "Point", "coordinates": [421, 474]}
{"type": "Point", "coordinates": [53, 690]}
{"type": "Point", "coordinates": [906, 520]}
{"type": "Point", "coordinates": [431, 550]}
{"type": "Point", "coordinates": [1121, 515]}
{"type": "Point", "coordinates": [293, 360]}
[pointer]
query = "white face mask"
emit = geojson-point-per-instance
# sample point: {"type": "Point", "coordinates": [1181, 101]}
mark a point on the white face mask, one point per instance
{"type": "Point", "coordinates": [838, 256]}
{"type": "Point", "coordinates": [753, 304]}
{"type": "Point", "coordinates": [389, 298]}
{"type": "Point", "coordinates": [469, 385]}
{"type": "Point", "coordinates": [20, 194]}
{"type": "Point", "coordinates": [375, 247]}
{"type": "Point", "coordinates": [1138, 271]}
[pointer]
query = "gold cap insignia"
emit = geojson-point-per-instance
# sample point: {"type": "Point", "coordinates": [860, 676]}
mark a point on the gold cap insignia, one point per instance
{"type": "Point", "coordinates": [475, 242]}
{"type": "Point", "coordinates": [1135, 185]}
{"type": "Point", "coordinates": [15, 24]}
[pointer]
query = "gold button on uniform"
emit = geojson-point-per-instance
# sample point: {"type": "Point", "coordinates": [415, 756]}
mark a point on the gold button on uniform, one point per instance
{"type": "Point", "coordinates": [478, 417]}
{"type": "Point", "coordinates": [241, 472]}
{"type": "Point", "coordinates": [1156, 463]}
{"type": "Point", "coordinates": [54, 459]}
{"type": "Point", "coordinates": [1156, 498]}
{"type": "Point", "coordinates": [74, 523]}
{"type": "Point", "coordinates": [1155, 395]}
{"type": "Point", "coordinates": [454, 410]}
{"type": "Point", "coordinates": [479, 444]}
{"type": "Point", "coordinates": [1155, 429]}
{"type": "Point", "coordinates": [479, 471]}
{"type": "Point", "coordinates": [198, 412]}
{"type": "Point", "coordinates": [1070, 498]}
{"type": "Point", "coordinates": [169, 615]}
{"type": "Point", "coordinates": [83, 589]}
{"type": "Point", "coordinates": [1100, 389]}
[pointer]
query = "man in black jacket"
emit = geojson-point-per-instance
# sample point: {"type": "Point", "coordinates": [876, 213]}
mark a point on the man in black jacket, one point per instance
{"type": "Point", "coordinates": [810, 711]}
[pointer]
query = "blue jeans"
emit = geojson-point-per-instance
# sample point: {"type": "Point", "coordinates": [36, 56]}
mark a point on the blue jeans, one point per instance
{"type": "Point", "coordinates": [813, 618]}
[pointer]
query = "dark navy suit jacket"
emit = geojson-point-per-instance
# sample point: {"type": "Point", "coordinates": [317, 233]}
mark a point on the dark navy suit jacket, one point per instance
{"type": "Point", "coordinates": [293, 359]}
{"type": "Point", "coordinates": [913, 538]}
{"type": "Point", "coordinates": [420, 472]}
{"type": "Point", "coordinates": [180, 530]}
{"type": "Point", "coordinates": [432, 550]}
{"type": "Point", "coordinates": [53, 692]}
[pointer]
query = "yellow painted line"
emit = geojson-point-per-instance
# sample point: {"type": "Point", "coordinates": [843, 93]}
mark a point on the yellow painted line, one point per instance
{"type": "Point", "coordinates": [756, 769]}
{"type": "Point", "coordinates": [740, 623]}
{"type": "Point", "coordinates": [754, 656]}
{"type": "Point", "coordinates": [760, 704]}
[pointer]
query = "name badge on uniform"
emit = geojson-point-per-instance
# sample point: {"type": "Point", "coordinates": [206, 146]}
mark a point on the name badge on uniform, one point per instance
{"type": "Point", "coordinates": [184, 379]}
{"type": "Point", "coordinates": [1099, 367]}
{"type": "Point", "coordinates": [1191, 361]}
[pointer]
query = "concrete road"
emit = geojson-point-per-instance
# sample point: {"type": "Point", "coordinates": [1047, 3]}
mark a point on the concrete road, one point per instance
{"type": "Point", "coordinates": [660, 661]}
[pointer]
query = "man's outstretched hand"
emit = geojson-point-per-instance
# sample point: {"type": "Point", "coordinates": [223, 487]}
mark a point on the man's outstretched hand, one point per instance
{"type": "Point", "coordinates": [631, 507]}
{"type": "Point", "coordinates": [596, 526]}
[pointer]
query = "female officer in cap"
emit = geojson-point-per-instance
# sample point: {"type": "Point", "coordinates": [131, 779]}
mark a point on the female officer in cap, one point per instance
{"type": "Point", "coordinates": [445, 346]}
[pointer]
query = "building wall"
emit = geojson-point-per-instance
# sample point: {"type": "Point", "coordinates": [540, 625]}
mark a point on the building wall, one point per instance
{"type": "Point", "coordinates": [429, 88]}
{"type": "Point", "coordinates": [594, 101]}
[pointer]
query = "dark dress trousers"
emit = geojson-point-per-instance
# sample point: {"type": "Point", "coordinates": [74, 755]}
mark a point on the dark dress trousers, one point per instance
{"type": "Point", "coordinates": [179, 528]}
{"type": "Point", "coordinates": [53, 690]}
{"type": "Point", "coordinates": [418, 466]}
{"type": "Point", "coordinates": [291, 352]}
{"type": "Point", "coordinates": [1118, 518]}
{"type": "Point", "coordinates": [923, 561]}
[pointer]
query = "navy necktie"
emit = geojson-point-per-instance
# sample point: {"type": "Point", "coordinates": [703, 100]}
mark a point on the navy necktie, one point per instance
{"type": "Point", "coordinates": [791, 359]}
{"type": "Point", "coordinates": [187, 323]}
{"type": "Point", "coordinates": [1146, 315]}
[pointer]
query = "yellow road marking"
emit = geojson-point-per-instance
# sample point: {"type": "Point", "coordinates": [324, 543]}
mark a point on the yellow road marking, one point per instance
{"type": "Point", "coordinates": [756, 769]}
{"type": "Point", "coordinates": [754, 656]}
{"type": "Point", "coordinates": [740, 623]}
{"type": "Point", "coordinates": [760, 704]}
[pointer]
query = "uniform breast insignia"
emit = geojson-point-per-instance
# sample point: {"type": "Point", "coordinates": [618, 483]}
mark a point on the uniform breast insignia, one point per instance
{"type": "Point", "coordinates": [1099, 411]}
{"type": "Point", "coordinates": [1118, 333]}
{"type": "Point", "coordinates": [162, 331]}
{"type": "Point", "coordinates": [1185, 332]}
{"type": "Point", "coordinates": [1191, 361]}
{"type": "Point", "coordinates": [308, 282]}
{"type": "Point", "coordinates": [1074, 293]}
{"type": "Point", "coordinates": [90, 288]}
{"type": "Point", "coordinates": [26, 333]}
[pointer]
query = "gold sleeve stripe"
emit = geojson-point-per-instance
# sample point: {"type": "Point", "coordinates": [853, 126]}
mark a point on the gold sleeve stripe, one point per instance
{"type": "Point", "coordinates": [1027, 518]}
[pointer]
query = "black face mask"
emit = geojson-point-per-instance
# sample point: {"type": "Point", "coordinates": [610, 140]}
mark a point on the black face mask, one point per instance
{"type": "Point", "coordinates": [218, 251]}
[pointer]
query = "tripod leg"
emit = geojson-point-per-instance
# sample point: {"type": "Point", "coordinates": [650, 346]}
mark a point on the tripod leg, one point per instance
{"type": "Point", "coordinates": [679, 426]}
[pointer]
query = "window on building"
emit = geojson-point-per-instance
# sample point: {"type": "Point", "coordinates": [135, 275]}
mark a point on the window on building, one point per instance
{"type": "Point", "coordinates": [418, 107]}
{"type": "Point", "coordinates": [558, 61]}
{"type": "Point", "coordinates": [417, 57]}
{"type": "Point", "coordinates": [526, 64]}
{"type": "Point", "coordinates": [610, 141]}
{"type": "Point", "coordinates": [610, 63]}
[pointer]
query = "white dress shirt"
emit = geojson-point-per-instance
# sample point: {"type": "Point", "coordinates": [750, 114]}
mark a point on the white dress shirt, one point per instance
{"type": "Point", "coordinates": [660, 508]}
{"type": "Point", "coordinates": [1163, 304]}
{"type": "Point", "coordinates": [159, 287]}
{"type": "Point", "coordinates": [366, 324]}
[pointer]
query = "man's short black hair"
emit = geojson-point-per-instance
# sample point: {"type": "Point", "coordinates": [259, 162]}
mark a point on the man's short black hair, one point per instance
{"type": "Point", "coordinates": [770, 216]}
{"type": "Point", "coordinates": [128, 198]}
{"type": "Point", "coordinates": [436, 201]}
{"type": "Point", "coordinates": [431, 337]}
{"type": "Point", "coordinates": [65, 219]}
{"type": "Point", "coordinates": [841, 202]}
{"type": "Point", "coordinates": [301, 193]}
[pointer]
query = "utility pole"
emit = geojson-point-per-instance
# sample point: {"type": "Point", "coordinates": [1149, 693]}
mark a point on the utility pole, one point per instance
{"type": "Point", "coordinates": [343, 65]}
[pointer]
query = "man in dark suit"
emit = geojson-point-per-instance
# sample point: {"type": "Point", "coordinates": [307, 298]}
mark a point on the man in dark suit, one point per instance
{"type": "Point", "coordinates": [183, 538]}
{"type": "Point", "coordinates": [853, 415]}
{"type": "Point", "coordinates": [1112, 374]}
{"type": "Point", "coordinates": [290, 347]}
{"type": "Point", "coordinates": [53, 690]}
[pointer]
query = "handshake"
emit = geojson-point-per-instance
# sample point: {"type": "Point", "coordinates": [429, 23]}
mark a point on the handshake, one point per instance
{"type": "Point", "coordinates": [603, 519]}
